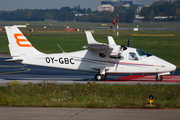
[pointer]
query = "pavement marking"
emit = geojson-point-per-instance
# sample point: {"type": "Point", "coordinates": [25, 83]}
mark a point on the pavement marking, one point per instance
{"type": "Point", "coordinates": [21, 70]}
{"type": "Point", "coordinates": [11, 66]}
{"type": "Point", "coordinates": [153, 34]}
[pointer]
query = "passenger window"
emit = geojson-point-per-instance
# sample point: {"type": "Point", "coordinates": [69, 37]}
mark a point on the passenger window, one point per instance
{"type": "Point", "coordinates": [133, 56]}
{"type": "Point", "coordinates": [102, 55]}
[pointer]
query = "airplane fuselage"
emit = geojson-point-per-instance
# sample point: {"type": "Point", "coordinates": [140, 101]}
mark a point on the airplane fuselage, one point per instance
{"type": "Point", "coordinates": [86, 60]}
{"type": "Point", "coordinates": [100, 58]}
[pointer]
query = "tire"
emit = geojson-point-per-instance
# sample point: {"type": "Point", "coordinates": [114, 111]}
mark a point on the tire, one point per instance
{"type": "Point", "coordinates": [99, 77]}
{"type": "Point", "coordinates": [159, 78]}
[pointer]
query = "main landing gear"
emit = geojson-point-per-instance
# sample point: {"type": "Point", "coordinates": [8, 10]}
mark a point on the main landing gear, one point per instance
{"type": "Point", "coordinates": [159, 78]}
{"type": "Point", "coordinates": [100, 77]}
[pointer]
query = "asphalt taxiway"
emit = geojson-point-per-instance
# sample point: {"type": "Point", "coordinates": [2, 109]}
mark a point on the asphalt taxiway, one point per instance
{"type": "Point", "coordinates": [31, 113]}
{"type": "Point", "coordinates": [10, 71]}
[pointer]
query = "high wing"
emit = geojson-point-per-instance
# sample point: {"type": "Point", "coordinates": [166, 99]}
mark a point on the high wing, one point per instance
{"type": "Point", "coordinates": [110, 49]}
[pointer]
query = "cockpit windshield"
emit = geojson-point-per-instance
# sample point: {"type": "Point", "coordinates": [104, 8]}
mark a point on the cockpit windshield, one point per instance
{"type": "Point", "coordinates": [143, 54]}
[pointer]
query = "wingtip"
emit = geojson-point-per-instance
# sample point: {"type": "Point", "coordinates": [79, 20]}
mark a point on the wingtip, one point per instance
{"type": "Point", "coordinates": [90, 38]}
{"type": "Point", "coordinates": [111, 40]}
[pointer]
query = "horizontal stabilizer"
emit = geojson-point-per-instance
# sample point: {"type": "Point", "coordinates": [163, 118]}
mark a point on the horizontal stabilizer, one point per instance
{"type": "Point", "coordinates": [13, 60]}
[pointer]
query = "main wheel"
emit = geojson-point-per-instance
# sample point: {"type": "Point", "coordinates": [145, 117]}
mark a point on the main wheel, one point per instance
{"type": "Point", "coordinates": [159, 78]}
{"type": "Point", "coordinates": [99, 77]}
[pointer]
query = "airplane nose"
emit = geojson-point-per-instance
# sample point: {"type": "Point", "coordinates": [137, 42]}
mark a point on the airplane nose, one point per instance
{"type": "Point", "coordinates": [171, 67]}
{"type": "Point", "coordinates": [165, 65]}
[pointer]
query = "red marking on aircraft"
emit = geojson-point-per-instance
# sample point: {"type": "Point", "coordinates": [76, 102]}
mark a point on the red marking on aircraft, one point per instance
{"type": "Point", "coordinates": [145, 78]}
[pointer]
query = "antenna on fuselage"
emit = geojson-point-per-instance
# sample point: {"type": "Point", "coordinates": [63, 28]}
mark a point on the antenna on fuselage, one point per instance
{"type": "Point", "coordinates": [60, 48]}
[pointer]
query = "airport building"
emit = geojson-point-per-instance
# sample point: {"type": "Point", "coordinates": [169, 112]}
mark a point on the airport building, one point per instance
{"type": "Point", "coordinates": [117, 3]}
{"type": "Point", "coordinates": [106, 7]}
{"type": "Point", "coordinates": [110, 5]}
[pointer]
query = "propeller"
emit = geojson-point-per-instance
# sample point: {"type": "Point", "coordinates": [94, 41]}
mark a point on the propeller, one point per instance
{"type": "Point", "coordinates": [124, 47]}
{"type": "Point", "coordinates": [128, 40]}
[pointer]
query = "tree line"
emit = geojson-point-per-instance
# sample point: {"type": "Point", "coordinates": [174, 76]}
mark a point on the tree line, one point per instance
{"type": "Point", "coordinates": [126, 15]}
{"type": "Point", "coordinates": [68, 14]}
{"type": "Point", "coordinates": [162, 8]}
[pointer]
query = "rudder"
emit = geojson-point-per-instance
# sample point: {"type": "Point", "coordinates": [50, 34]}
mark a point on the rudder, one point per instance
{"type": "Point", "coordinates": [18, 44]}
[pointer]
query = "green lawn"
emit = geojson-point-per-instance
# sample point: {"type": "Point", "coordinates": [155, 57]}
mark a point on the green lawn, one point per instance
{"type": "Point", "coordinates": [88, 24]}
{"type": "Point", "coordinates": [94, 96]}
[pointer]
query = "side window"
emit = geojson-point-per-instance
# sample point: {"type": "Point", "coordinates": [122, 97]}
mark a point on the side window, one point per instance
{"type": "Point", "coordinates": [133, 56]}
{"type": "Point", "coordinates": [102, 55]}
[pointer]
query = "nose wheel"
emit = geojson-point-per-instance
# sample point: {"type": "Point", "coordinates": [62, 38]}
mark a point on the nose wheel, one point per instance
{"type": "Point", "coordinates": [100, 77]}
{"type": "Point", "coordinates": [159, 78]}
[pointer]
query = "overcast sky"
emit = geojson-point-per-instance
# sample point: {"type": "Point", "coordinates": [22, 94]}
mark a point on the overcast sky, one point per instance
{"type": "Point", "coordinates": [56, 4]}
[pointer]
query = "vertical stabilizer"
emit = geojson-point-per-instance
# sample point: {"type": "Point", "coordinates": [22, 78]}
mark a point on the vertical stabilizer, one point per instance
{"type": "Point", "coordinates": [18, 44]}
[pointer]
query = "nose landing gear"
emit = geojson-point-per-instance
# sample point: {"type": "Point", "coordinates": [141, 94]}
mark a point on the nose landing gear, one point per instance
{"type": "Point", "coordinates": [100, 77]}
{"type": "Point", "coordinates": [159, 78]}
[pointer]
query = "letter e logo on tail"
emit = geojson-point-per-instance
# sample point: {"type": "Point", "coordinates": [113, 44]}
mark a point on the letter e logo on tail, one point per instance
{"type": "Point", "coordinates": [19, 41]}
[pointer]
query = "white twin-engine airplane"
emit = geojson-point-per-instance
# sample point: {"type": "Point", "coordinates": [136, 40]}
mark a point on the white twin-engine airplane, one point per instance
{"type": "Point", "coordinates": [98, 57]}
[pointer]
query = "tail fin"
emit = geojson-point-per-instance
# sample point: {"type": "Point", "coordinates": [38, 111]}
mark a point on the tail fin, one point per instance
{"type": "Point", "coordinates": [18, 44]}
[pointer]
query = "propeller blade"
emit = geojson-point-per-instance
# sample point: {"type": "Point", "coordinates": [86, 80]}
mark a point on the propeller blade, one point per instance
{"type": "Point", "coordinates": [128, 41]}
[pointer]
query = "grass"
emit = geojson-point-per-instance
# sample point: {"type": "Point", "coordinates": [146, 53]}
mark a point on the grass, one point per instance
{"type": "Point", "coordinates": [94, 96]}
{"type": "Point", "coordinates": [89, 24]}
